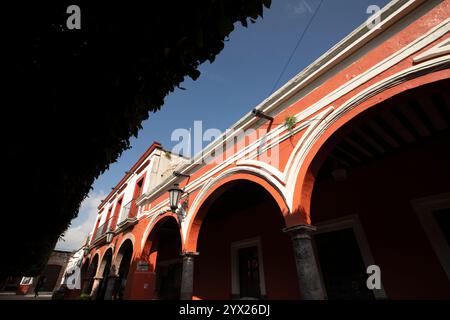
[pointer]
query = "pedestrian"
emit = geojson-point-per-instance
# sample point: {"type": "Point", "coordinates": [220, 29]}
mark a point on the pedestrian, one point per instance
{"type": "Point", "coordinates": [39, 285]}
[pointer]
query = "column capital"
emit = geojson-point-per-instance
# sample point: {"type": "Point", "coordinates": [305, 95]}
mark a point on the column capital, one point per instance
{"type": "Point", "coordinates": [300, 230]}
{"type": "Point", "coordinates": [190, 254]}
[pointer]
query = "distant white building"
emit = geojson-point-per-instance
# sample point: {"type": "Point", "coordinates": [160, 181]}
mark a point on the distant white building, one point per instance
{"type": "Point", "coordinates": [72, 274]}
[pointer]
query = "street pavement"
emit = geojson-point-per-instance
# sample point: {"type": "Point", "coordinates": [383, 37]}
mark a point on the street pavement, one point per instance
{"type": "Point", "coordinates": [14, 296]}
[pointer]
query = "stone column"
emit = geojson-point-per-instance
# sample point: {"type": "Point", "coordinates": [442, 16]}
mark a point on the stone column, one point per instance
{"type": "Point", "coordinates": [111, 279]}
{"type": "Point", "coordinates": [95, 287]}
{"type": "Point", "coordinates": [85, 287]}
{"type": "Point", "coordinates": [110, 285]}
{"type": "Point", "coordinates": [305, 261]}
{"type": "Point", "coordinates": [187, 276]}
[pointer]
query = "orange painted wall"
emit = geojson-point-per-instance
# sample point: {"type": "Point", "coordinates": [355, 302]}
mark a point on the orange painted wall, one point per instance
{"type": "Point", "coordinates": [212, 278]}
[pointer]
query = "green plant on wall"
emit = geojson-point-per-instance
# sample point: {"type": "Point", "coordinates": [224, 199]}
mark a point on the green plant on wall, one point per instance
{"type": "Point", "coordinates": [290, 122]}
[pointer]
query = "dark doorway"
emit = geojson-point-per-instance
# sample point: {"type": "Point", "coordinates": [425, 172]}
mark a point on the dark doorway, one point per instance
{"type": "Point", "coordinates": [169, 264]}
{"type": "Point", "coordinates": [343, 269]}
{"type": "Point", "coordinates": [169, 278]}
{"type": "Point", "coordinates": [127, 252]}
{"type": "Point", "coordinates": [249, 273]}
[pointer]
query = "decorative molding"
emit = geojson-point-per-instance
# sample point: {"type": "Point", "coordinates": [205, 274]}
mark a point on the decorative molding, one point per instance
{"type": "Point", "coordinates": [211, 182]}
{"type": "Point", "coordinates": [440, 49]}
{"type": "Point", "coordinates": [143, 166]}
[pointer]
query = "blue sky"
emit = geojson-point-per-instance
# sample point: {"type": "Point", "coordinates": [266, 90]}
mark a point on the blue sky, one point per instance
{"type": "Point", "coordinates": [241, 77]}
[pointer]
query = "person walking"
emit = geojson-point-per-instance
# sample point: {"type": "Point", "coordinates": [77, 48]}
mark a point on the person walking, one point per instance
{"type": "Point", "coordinates": [39, 285]}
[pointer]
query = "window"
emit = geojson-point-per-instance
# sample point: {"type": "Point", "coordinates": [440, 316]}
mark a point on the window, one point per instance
{"type": "Point", "coordinates": [434, 214]}
{"type": "Point", "coordinates": [138, 190]}
{"type": "Point", "coordinates": [343, 272]}
{"type": "Point", "coordinates": [116, 213]}
{"type": "Point", "coordinates": [247, 270]}
{"type": "Point", "coordinates": [442, 218]}
{"type": "Point", "coordinates": [108, 220]}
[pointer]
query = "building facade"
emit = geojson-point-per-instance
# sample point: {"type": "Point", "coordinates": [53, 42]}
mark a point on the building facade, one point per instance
{"type": "Point", "coordinates": [339, 175]}
{"type": "Point", "coordinates": [53, 273]}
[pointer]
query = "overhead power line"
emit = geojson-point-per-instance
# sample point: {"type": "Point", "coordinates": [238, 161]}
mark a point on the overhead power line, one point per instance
{"type": "Point", "coordinates": [296, 46]}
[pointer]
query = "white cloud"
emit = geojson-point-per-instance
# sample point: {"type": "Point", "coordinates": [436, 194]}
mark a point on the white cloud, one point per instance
{"type": "Point", "coordinates": [75, 236]}
{"type": "Point", "coordinates": [299, 8]}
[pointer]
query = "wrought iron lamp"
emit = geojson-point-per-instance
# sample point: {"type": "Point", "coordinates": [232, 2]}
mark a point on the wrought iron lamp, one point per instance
{"type": "Point", "coordinates": [175, 195]}
{"type": "Point", "coordinates": [109, 236]}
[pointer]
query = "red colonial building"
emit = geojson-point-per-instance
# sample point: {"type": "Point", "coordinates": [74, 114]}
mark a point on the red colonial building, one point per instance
{"type": "Point", "coordinates": [346, 167]}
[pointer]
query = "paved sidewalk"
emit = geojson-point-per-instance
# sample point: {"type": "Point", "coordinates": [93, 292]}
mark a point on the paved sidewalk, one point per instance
{"type": "Point", "coordinates": [14, 296]}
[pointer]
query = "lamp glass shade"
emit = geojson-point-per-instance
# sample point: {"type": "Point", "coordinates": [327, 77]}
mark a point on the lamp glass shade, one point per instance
{"type": "Point", "coordinates": [174, 197]}
{"type": "Point", "coordinates": [109, 236]}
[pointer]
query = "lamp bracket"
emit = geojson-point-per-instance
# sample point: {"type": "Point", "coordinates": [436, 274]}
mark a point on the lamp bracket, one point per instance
{"type": "Point", "coordinates": [260, 114]}
{"type": "Point", "coordinates": [179, 174]}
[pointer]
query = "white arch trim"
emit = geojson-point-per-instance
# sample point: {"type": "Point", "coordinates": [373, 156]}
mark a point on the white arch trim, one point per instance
{"type": "Point", "coordinates": [102, 262]}
{"type": "Point", "coordinates": [307, 141]}
{"type": "Point", "coordinates": [129, 236]}
{"type": "Point", "coordinates": [151, 223]}
{"type": "Point", "coordinates": [211, 182]}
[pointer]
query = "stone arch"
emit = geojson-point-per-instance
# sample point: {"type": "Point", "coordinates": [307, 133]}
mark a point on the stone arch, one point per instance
{"type": "Point", "coordinates": [84, 273]}
{"type": "Point", "coordinates": [164, 213]}
{"type": "Point", "coordinates": [103, 272]}
{"type": "Point", "coordinates": [108, 254]}
{"type": "Point", "coordinates": [91, 272]}
{"type": "Point", "coordinates": [301, 180]}
{"type": "Point", "coordinates": [120, 269]}
{"type": "Point", "coordinates": [124, 245]}
{"type": "Point", "coordinates": [162, 254]}
{"type": "Point", "coordinates": [118, 255]}
{"type": "Point", "coordinates": [197, 213]}
{"type": "Point", "coordinates": [150, 239]}
{"type": "Point", "coordinates": [93, 266]}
